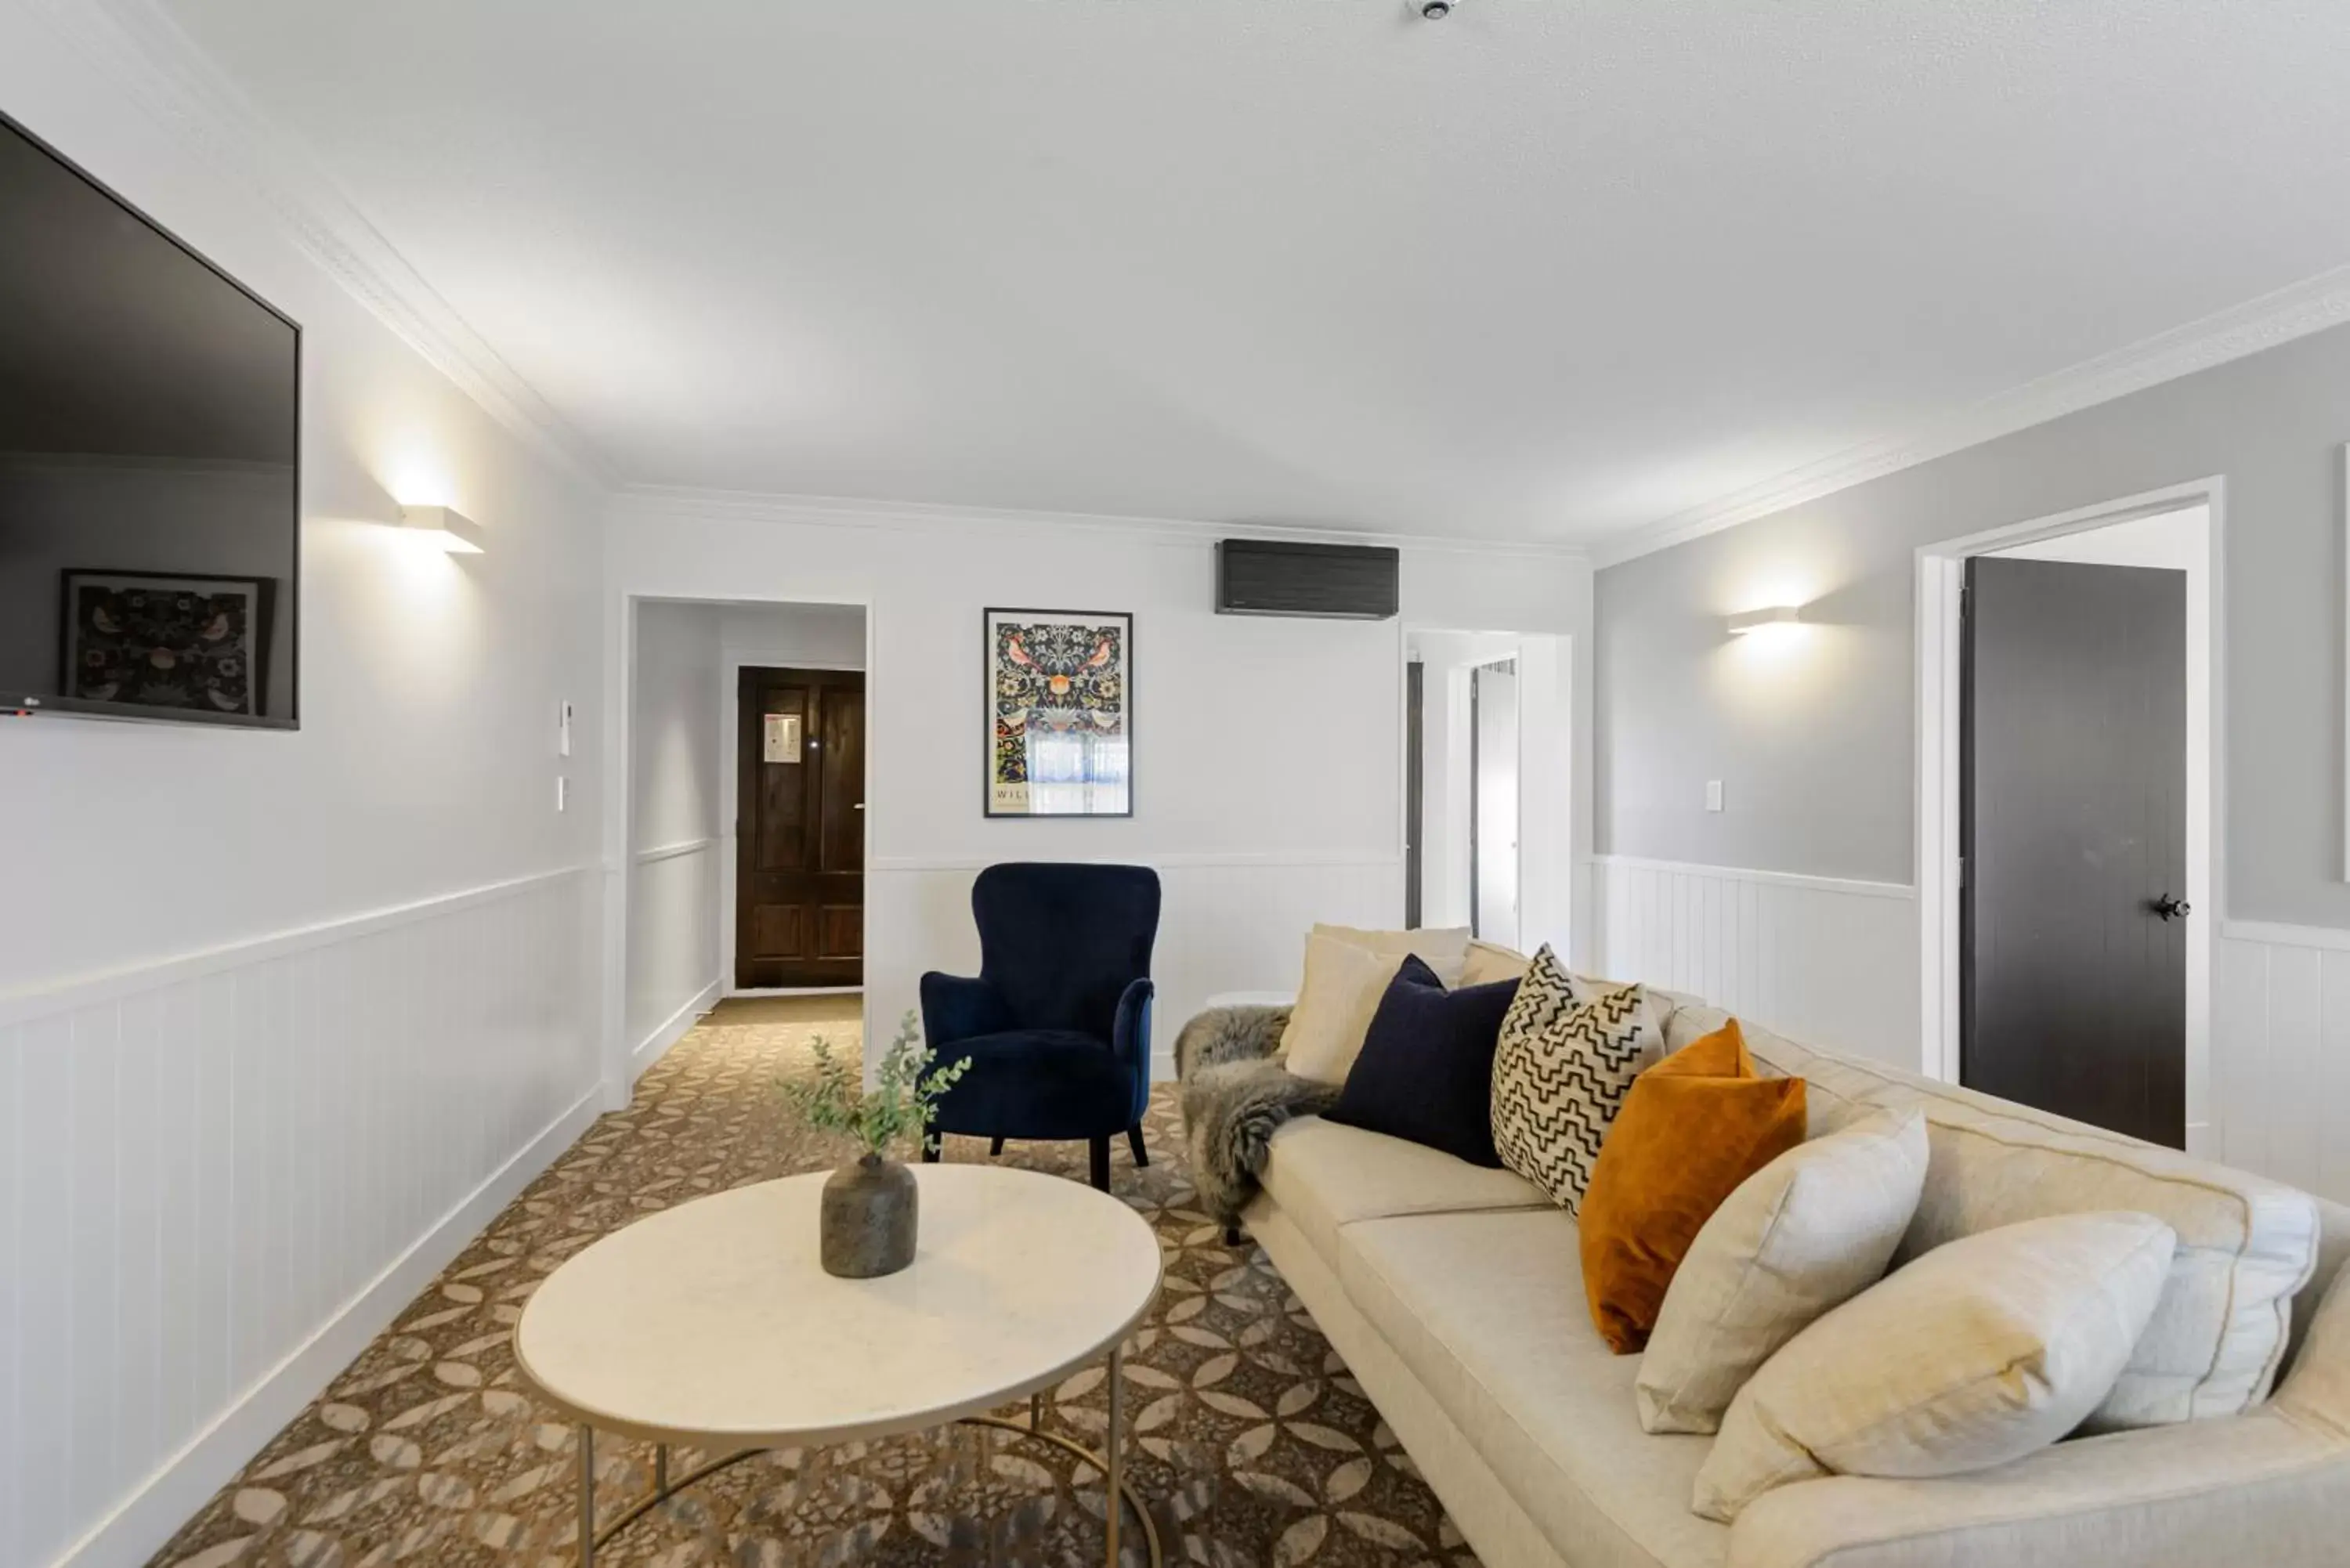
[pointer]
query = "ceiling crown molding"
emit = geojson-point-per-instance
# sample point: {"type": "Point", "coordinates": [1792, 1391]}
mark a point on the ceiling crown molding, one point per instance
{"type": "Point", "coordinates": [652, 501]}
{"type": "Point", "coordinates": [2294, 311]}
{"type": "Point", "coordinates": [160, 68]}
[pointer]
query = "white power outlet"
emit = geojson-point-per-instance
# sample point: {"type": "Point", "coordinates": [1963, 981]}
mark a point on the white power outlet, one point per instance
{"type": "Point", "coordinates": [562, 792]}
{"type": "Point", "coordinates": [1713, 794]}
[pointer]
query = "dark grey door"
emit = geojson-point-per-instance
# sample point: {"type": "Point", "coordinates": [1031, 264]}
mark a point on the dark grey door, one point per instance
{"type": "Point", "coordinates": [2073, 825]}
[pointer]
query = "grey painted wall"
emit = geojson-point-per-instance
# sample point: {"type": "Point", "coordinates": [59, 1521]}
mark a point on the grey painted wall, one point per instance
{"type": "Point", "coordinates": [1812, 734]}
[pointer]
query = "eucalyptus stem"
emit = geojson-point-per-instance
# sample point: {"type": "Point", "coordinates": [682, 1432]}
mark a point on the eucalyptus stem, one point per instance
{"type": "Point", "coordinates": [902, 1101]}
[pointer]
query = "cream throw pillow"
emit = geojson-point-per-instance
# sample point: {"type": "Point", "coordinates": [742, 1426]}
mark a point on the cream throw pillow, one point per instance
{"type": "Point", "coordinates": [1336, 1001]}
{"type": "Point", "coordinates": [1982, 1351]}
{"type": "Point", "coordinates": [1803, 1234]}
{"type": "Point", "coordinates": [1444, 950]}
{"type": "Point", "coordinates": [1489, 962]}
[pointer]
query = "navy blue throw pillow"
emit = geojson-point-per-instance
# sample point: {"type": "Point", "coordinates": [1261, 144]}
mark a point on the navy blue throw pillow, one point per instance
{"type": "Point", "coordinates": [1426, 1072]}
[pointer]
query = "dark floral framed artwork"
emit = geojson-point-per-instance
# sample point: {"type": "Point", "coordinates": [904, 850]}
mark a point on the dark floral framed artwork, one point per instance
{"type": "Point", "coordinates": [1060, 713]}
{"type": "Point", "coordinates": [168, 639]}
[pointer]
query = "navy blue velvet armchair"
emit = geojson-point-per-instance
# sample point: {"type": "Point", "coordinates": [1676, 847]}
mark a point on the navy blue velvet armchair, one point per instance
{"type": "Point", "coordinates": [1057, 1025]}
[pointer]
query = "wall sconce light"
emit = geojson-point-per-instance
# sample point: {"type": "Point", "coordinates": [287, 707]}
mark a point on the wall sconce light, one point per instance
{"type": "Point", "coordinates": [445, 526]}
{"type": "Point", "coordinates": [1764, 619]}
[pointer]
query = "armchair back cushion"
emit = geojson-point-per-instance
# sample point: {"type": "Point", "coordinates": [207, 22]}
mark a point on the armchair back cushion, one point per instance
{"type": "Point", "coordinates": [1061, 942]}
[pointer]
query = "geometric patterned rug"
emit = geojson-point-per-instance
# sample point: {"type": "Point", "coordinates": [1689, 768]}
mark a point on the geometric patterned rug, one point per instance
{"type": "Point", "coordinates": [1247, 1438]}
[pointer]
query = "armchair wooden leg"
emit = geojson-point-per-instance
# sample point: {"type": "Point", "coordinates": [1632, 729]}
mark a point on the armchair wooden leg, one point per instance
{"type": "Point", "coordinates": [1134, 1142]}
{"type": "Point", "coordinates": [1099, 1150]}
{"type": "Point", "coordinates": [930, 1149]}
{"type": "Point", "coordinates": [994, 1147]}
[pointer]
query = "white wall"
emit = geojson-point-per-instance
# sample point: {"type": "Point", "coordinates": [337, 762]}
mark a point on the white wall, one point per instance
{"type": "Point", "coordinates": [284, 1017]}
{"type": "Point", "coordinates": [791, 637]}
{"type": "Point", "coordinates": [1268, 752]}
{"type": "Point", "coordinates": [675, 846]}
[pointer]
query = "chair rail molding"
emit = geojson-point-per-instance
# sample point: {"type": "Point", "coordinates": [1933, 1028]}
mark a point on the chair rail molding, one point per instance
{"type": "Point", "coordinates": [1827, 961]}
{"type": "Point", "coordinates": [232, 1169]}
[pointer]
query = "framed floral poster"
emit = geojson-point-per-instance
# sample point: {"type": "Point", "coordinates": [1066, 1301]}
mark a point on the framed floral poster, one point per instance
{"type": "Point", "coordinates": [1060, 713]}
{"type": "Point", "coordinates": [168, 639]}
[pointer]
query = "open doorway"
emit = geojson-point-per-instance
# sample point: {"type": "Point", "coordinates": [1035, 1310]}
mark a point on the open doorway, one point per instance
{"type": "Point", "coordinates": [1486, 786]}
{"type": "Point", "coordinates": [1493, 802]}
{"type": "Point", "coordinates": [745, 808]}
{"type": "Point", "coordinates": [2075, 961]}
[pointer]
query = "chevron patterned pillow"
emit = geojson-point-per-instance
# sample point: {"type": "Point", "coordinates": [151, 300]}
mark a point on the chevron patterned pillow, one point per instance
{"type": "Point", "coordinates": [1561, 1070]}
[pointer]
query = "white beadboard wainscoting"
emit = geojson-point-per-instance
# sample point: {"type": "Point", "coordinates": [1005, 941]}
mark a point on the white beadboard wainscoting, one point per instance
{"type": "Point", "coordinates": [2280, 1054]}
{"type": "Point", "coordinates": [225, 1174]}
{"type": "Point", "coordinates": [676, 973]}
{"type": "Point", "coordinates": [1233, 923]}
{"type": "Point", "coordinates": [1822, 960]}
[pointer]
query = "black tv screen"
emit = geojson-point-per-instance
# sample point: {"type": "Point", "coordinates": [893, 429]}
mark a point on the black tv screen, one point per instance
{"type": "Point", "coordinates": [150, 529]}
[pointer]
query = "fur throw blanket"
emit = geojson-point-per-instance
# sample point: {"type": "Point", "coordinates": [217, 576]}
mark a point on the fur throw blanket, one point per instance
{"type": "Point", "coordinates": [1235, 1093]}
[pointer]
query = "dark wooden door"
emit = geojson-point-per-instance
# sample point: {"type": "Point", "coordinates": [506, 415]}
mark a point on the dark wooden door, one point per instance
{"type": "Point", "coordinates": [799, 881]}
{"type": "Point", "coordinates": [2073, 829]}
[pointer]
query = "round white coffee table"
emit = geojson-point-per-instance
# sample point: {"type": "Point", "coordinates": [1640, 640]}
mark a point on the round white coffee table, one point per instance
{"type": "Point", "coordinates": [712, 1324]}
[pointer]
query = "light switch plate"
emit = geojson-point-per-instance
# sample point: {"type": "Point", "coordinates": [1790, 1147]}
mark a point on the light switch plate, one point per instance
{"type": "Point", "coordinates": [1713, 794]}
{"type": "Point", "coordinates": [563, 729]}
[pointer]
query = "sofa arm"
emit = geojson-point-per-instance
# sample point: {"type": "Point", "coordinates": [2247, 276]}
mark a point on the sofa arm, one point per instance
{"type": "Point", "coordinates": [955, 1008]}
{"type": "Point", "coordinates": [2271, 1488]}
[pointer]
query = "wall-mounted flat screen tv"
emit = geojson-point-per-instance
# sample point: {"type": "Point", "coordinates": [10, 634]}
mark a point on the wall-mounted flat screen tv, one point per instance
{"type": "Point", "coordinates": [150, 523]}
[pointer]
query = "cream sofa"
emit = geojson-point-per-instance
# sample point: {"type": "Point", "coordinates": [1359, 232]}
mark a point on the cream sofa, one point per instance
{"type": "Point", "coordinates": [1455, 1295]}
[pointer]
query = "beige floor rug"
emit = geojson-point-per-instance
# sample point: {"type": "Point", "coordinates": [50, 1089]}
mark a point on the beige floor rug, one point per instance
{"type": "Point", "coordinates": [1250, 1441]}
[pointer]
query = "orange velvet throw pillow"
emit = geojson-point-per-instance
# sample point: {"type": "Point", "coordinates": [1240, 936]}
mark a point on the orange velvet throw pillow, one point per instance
{"type": "Point", "coordinates": [1692, 1127]}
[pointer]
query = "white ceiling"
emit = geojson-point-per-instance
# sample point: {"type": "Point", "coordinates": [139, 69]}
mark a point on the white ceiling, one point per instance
{"type": "Point", "coordinates": [1549, 270]}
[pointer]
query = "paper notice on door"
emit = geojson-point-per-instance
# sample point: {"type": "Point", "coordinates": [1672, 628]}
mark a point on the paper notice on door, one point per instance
{"type": "Point", "coordinates": [782, 731]}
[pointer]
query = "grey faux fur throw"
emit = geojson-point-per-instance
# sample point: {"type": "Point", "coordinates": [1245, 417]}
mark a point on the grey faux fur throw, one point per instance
{"type": "Point", "coordinates": [1235, 1093]}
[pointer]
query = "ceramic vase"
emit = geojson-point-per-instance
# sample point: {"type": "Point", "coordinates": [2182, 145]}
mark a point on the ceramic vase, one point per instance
{"type": "Point", "coordinates": [870, 1207]}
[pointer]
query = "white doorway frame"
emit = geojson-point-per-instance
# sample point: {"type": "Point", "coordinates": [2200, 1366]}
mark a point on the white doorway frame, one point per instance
{"type": "Point", "coordinates": [729, 802]}
{"type": "Point", "coordinates": [620, 751]}
{"type": "Point", "coordinates": [1940, 575]}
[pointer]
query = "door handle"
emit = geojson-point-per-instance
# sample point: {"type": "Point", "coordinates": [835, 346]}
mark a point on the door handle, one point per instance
{"type": "Point", "coordinates": [2169, 908]}
{"type": "Point", "coordinates": [858, 806]}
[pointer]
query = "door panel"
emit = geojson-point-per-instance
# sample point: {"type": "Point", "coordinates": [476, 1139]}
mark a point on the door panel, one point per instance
{"type": "Point", "coordinates": [800, 866]}
{"type": "Point", "coordinates": [2072, 828]}
{"type": "Point", "coordinates": [1497, 803]}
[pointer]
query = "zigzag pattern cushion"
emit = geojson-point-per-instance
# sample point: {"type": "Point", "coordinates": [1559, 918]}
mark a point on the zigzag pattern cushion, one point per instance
{"type": "Point", "coordinates": [1561, 1070]}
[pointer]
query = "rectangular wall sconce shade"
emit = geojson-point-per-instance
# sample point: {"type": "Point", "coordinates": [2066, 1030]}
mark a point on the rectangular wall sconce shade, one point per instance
{"type": "Point", "coordinates": [452, 530]}
{"type": "Point", "coordinates": [1755, 620]}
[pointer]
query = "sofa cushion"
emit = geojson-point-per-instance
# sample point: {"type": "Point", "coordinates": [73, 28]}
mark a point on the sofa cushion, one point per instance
{"type": "Point", "coordinates": [1486, 1310]}
{"type": "Point", "coordinates": [1561, 1072]}
{"type": "Point", "coordinates": [2246, 1244]}
{"type": "Point", "coordinates": [1426, 1069]}
{"type": "Point", "coordinates": [1694, 1126]}
{"type": "Point", "coordinates": [1976, 1355]}
{"type": "Point", "coordinates": [1324, 1176]}
{"type": "Point", "coordinates": [1804, 1235]}
{"type": "Point", "coordinates": [1443, 950]}
{"type": "Point", "coordinates": [1336, 1000]}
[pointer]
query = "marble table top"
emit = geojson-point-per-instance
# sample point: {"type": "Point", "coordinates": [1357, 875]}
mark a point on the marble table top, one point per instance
{"type": "Point", "coordinates": [713, 1323]}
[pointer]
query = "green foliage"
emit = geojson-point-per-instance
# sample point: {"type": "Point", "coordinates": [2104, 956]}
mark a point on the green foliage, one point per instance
{"type": "Point", "coordinates": [904, 1099]}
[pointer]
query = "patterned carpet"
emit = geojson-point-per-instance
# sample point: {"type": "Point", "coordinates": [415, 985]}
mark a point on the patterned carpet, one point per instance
{"type": "Point", "coordinates": [1250, 1440]}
